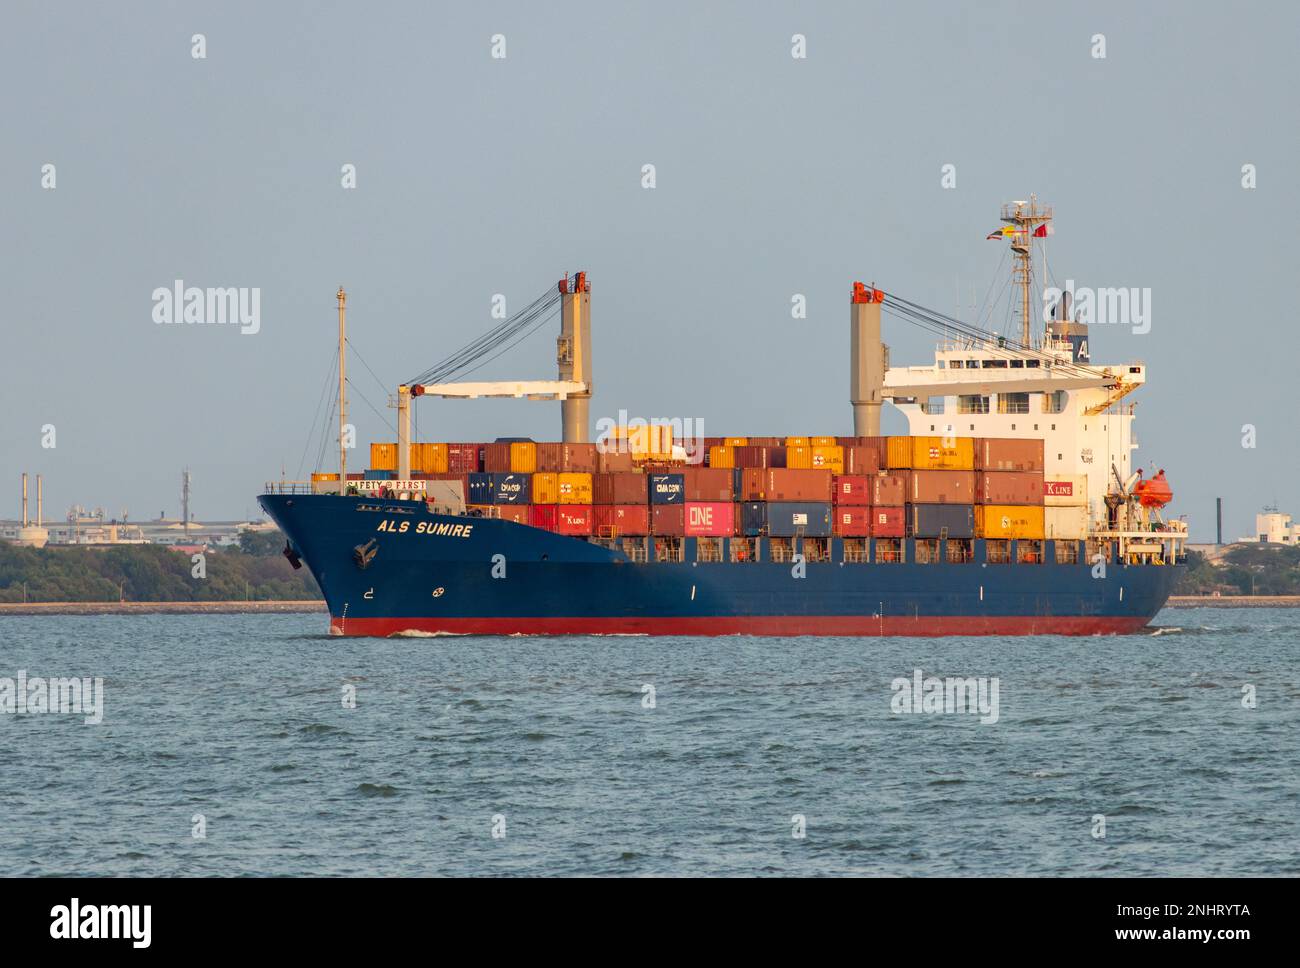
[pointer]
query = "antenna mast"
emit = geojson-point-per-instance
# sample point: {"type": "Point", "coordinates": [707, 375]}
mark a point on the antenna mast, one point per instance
{"type": "Point", "coordinates": [343, 394]}
{"type": "Point", "coordinates": [1027, 217]}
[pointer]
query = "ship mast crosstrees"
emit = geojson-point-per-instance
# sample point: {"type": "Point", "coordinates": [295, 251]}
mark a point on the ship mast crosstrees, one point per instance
{"type": "Point", "coordinates": [1031, 220]}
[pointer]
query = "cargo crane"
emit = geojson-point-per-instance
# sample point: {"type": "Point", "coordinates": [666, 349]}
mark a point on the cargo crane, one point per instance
{"type": "Point", "coordinates": [572, 389]}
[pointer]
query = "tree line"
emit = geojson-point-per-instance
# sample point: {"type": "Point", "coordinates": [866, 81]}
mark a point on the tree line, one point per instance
{"type": "Point", "coordinates": [254, 570]}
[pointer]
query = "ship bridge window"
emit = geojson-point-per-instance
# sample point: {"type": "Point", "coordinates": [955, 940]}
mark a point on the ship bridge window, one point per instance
{"type": "Point", "coordinates": [972, 403]}
{"type": "Point", "coordinates": [972, 364]}
{"type": "Point", "coordinates": [995, 364]}
{"type": "Point", "coordinates": [1013, 403]}
{"type": "Point", "coordinates": [932, 405]}
{"type": "Point", "coordinates": [1017, 364]}
{"type": "Point", "coordinates": [1135, 369]}
{"type": "Point", "coordinates": [955, 365]}
{"type": "Point", "coordinates": [1031, 364]}
{"type": "Point", "coordinates": [1054, 402]}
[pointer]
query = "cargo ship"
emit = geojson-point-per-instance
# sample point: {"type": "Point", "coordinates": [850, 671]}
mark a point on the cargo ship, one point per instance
{"type": "Point", "coordinates": [1011, 507]}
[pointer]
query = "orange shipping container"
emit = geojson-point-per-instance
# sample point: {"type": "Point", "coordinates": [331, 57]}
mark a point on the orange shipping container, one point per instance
{"type": "Point", "coordinates": [798, 456]}
{"type": "Point", "coordinates": [722, 456]}
{"type": "Point", "coordinates": [829, 457]}
{"type": "Point", "coordinates": [383, 457]}
{"type": "Point", "coordinates": [898, 453]}
{"type": "Point", "coordinates": [943, 453]}
{"type": "Point", "coordinates": [890, 490]}
{"type": "Point", "coordinates": [574, 489]}
{"type": "Point", "coordinates": [1008, 521]}
{"type": "Point", "coordinates": [1009, 454]}
{"type": "Point", "coordinates": [823, 441]}
{"type": "Point", "coordinates": [429, 458]}
{"type": "Point", "coordinates": [859, 459]}
{"type": "Point", "coordinates": [942, 487]}
{"type": "Point", "coordinates": [735, 441]}
{"type": "Point", "coordinates": [796, 441]}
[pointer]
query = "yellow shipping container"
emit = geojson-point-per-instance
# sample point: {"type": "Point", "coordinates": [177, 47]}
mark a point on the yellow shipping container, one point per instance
{"type": "Point", "coordinates": [827, 456]}
{"type": "Point", "coordinates": [822, 441]}
{"type": "Point", "coordinates": [523, 457]}
{"type": "Point", "coordinates": [324, 477]}
{"type": "Point", "coordinates": [546, 488]}
{"type": "Point", "coordinates": [1008, 521]}
{"type": "Point", "coordinates": [383, 457]}
{"type": "Point", "coordinates": [801, 457]}
{"type": "Point", "coordinates": [898, 453]}
{"type": "Point", "coordinates": [798, 441]}
{"type": "Point", "coordinates": [943, 453]}
{"type": "Point", "coordinates": [735, 441]}
{"type": "Point", "coordinates": [574, 489]}
{"type": "Point", "coordinates": [650, 442]}
{"type": "Point", "coordinates": [722, 457]}
{"type": "Point", "coordinates": [428, 458]}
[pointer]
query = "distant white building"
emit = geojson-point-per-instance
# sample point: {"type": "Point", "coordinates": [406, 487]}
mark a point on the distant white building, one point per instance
{"type": "Point", "coordinates": [1273, 527]}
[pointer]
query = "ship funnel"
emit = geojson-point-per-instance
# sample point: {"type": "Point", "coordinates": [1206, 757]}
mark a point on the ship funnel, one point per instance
{"type": "Point", "coordinates": [866, 360]}
{"type": "Point", "coordinates": [573, 354]}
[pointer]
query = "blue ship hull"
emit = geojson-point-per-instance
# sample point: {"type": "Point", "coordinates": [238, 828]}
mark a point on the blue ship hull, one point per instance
{"type": "Point", "coordinates": [389, 567]}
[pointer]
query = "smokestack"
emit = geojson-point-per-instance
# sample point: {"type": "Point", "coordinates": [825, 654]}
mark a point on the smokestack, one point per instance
{"type": "Point", "coordinates": [866, 360]}
{"type": "Point", "coordinates": [40, 502]}
{"type": "Point", "coordinates": [1218, 520]}
{"type": "Point", "coordinates": [24, 500]}
{"type": "Point", "coordinates": [573, 354]}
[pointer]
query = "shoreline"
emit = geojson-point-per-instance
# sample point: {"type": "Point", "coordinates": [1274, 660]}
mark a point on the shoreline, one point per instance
{"type": "Point", "coordinates": [1233, 601]}
{"type": "Point", "coordinates": [155, 608]}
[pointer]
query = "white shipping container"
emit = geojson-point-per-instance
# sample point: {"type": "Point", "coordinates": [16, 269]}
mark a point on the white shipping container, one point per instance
{"type": "Point", "coordinates": [1068, 524]}
{"type": "Point", "coordinates": [1065, 490]}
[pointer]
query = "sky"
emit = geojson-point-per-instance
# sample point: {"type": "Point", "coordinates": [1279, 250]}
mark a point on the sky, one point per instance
{"type": "Point", "coordinates": [478, 175]}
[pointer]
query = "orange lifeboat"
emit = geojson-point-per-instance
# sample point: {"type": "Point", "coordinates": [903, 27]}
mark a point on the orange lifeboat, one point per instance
{"type": "Point", "coordinates": [1155, 493]}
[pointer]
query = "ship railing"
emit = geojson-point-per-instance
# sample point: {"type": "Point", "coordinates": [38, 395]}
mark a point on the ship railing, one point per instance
{"type": "Point", "coordinates": [288, 487]}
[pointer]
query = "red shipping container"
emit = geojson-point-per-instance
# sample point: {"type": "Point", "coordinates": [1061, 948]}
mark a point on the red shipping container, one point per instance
{"type": "Point", "coordinates": [496, 458]}
{"type": "Point", "coordinates": [614, 520]}
{"type": "Point", "coordinates": [624, 487]}
{"type": "Point", "coordinates": [543, 515]}
{"type": "Point", "coordinates": [852, 489]}
{"type": "Point", "coordinates": [890, 489]}
{"type": "Point", "coordinates": [574, 519]}
{"type": "Point", "coordinates": [849, 521]}
{"type": "Point", "coordinates": [942, 487]}
{"type": "Point", "coordinates": [786, 484]}
{"type": "Point", "coordinates": [710, 519]}
{"type": "Point", "coordinates": [708, 484]}
{"type": "Point", "coordinates": [465, 458]}
{"type": "Point", "coordinates": [755, 456]}
{"type": "Point", "coordinates": [1010, 487]}
{"type": "Point", "coordinates": [668, 519]}
{"type": "Point", "coordinates": [888, 522]}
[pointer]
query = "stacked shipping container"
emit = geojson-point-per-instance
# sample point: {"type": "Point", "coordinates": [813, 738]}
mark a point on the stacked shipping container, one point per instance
{"type": "Point", "coordinates": [888, 487]}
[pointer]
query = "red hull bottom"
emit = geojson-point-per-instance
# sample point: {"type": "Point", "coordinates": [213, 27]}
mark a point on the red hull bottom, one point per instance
{"type": "Point", "coordinates": [859, 625]}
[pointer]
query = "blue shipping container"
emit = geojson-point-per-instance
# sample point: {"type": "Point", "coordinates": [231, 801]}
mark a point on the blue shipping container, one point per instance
{"type": "Point", "coordinates": [375, 475]}
{"type": "Point", "coordinates": [785, 519]}
{"type": "Point", "coordinates": [667, 489]}
{"type": "Point", "coordinates": [500, 489]}
{"type": "Point", "coordinates": [940, 520]}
